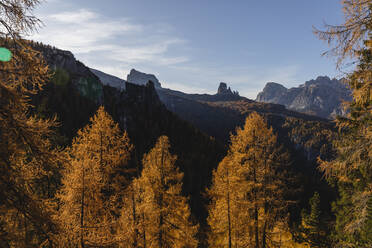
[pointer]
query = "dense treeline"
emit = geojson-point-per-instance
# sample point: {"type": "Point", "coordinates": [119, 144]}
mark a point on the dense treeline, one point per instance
{"type": "Point", "coordinates": [92, 184]}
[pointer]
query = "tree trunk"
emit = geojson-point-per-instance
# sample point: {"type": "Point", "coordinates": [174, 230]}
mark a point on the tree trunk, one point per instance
{"type": "Point", "coordinates": [134, 221]}
{"type": "Point", "coordinates": [256, 225]}
{"type": "Point", "coordinates": [265, 184]}
{"type": "Point", "coordinates": [228, 209]}
{"type": "Point", "coordinates": [257, 245]}
{"type": "Point", "coordinates": [101, 151]}
{"type": "Point", "coordinates": [228, 217]}
{"type": "Point", "coordinates": [161, 220]}
{"type": "Point", "coordinates": [26, 230]}
{"type": "Point", "coordinates": [264, 236]}
{"type": "Point", "coordinates": [144, 230]}
{"type": "Point", "coordinates": [82, 213]}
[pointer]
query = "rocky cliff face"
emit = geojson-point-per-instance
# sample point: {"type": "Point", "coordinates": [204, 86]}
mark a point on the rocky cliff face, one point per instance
{"type": "Point", "coordinates": [322, 97]}
{"type": "Point", "coordinates": [109, 80]}
{"type": "Point", "coordinates": [223, 90]}
{"type": "Point", "coordinates": [140, 78]}
{"type": "Point", "coordinates": [66, 68]}
{"type": "Point", "coordinates": [272, 93]}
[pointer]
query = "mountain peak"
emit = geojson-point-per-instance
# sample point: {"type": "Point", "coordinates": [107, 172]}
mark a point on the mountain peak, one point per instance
{"type": "Point", "coordinates": [326, 78]}
{"type": "Point", "coordinates": [273, 84]}
{"type": "Point", "coordinates": [272, 93]}
{"type": "Point", "coordinates": [223, 90]}
{"type": "Point", "coordinates": [321, 96]}
{"type": "Point", "coordinates": [141, 78]}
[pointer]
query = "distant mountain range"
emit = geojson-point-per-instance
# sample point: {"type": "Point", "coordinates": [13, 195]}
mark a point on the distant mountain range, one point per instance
{"type": "Point", "coordinates": [321, 97]}
{"type": "Point", "coordinates": [217, 114]}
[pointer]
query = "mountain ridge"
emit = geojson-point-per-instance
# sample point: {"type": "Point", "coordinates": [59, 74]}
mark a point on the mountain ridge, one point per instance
{"type": "Point", "coordinates": [219, 114]}
{"type": "Point", "coordinates": [321, 96]}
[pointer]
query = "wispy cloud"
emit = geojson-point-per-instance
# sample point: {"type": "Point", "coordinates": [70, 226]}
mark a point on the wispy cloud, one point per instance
{"type": "Point", "coordinates": [100, 41]}
{"type": "Point", "coordinates": [81, 15]}
{"type": "Point", "coordinates": [115, 45]}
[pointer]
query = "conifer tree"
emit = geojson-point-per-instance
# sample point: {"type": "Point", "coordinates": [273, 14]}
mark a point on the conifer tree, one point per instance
{"type": "Point", "coordinates": [27, 158]}
{"type": "Point", "coordinates": [164, 207]}
{"type": "Point", "coordinates": [348, 38]}
{"type": "Point", "coordinates": [131, 229]}
{"type": "Point", "coordinates": [126, 230]}
{"type": "Point", "coordinates": [226, 209]}
{"type": "Point", "coordinates": [257, 202]}
{"type": "Point", "coordinates": [314, 230]}
{"type": "Point", "coordinates": [367, 229]}
{"type": "Point", "coordinates": [87, 197]}
{"type": "Point", "coordinates": [352, 167]}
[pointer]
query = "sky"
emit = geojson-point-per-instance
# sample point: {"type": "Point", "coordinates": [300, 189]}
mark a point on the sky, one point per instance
{"type": "Point", "coordinates": [194, 45]}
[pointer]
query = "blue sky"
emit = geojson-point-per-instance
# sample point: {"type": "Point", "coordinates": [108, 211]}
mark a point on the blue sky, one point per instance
{"type": "Point", "coordinates": [193, 45]}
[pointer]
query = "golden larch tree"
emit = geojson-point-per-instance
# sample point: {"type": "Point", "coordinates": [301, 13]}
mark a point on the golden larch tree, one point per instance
{"type": "Point", "coordinates": [87, 197]}
{"type": "Point", "coordinates": [27, 158]}
{"type": "Point", "coordinates": [352, 167]}
{"type": "Point", "coordinates": [251, 200]}
{"type": "Point", "coordinates": [348, 38]}
{"type": "Point", "coordinates": [132, 224]}
{"type": "Point", "coordinates": [226, 208]}
{"type": "Point", "coordinates": [164, 207]}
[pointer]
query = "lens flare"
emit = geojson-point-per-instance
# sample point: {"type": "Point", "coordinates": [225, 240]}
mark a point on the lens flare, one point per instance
{"type": "Point", "coordinates": [5, 54]}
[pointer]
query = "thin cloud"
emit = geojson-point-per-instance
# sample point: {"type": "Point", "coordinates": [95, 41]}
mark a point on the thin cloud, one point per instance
{"type": "Point", "coordinates": [99, 41]}
{"type": "Point", "coordinates": [81, 15]}
{"type": "Point", "coordinates": [115, 45]}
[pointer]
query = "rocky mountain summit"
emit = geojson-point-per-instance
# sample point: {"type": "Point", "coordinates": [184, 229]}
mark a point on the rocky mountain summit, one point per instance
{"type": "Point", "coordinates": [140, 78]}
{"type": "Point", "coordinates": [322, 97]}
{"type": "Point", "coordinates": [223, 90]}
{"type": "Point", "coordinates": [134, 77]}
